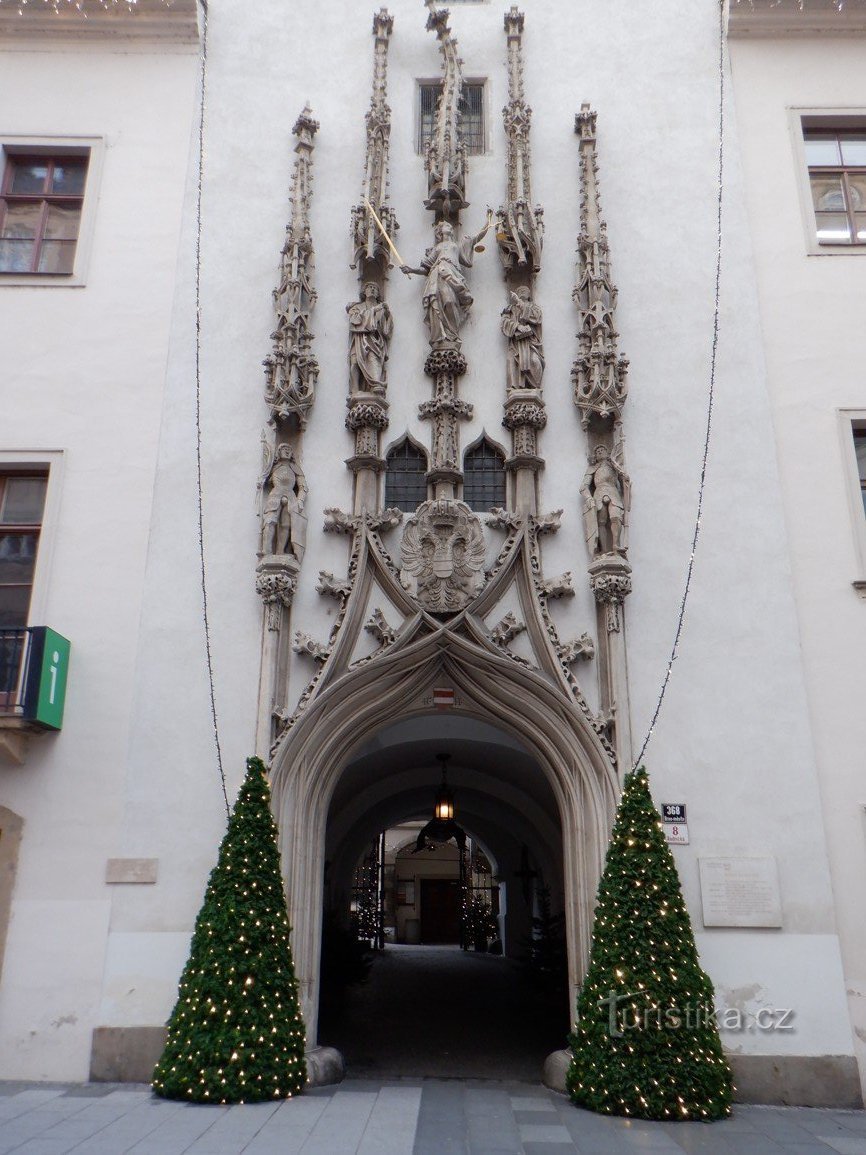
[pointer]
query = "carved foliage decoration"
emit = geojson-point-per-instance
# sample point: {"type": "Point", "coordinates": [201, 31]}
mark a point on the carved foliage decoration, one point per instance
{"type": "Point", "coordinates": [520, 227]}
{"type": "Point", "coordinates": [291, 370]}
{"type": "Point", "coordinates": [599, 373]}
{"type": "Point", "coordinates": [443, 555]}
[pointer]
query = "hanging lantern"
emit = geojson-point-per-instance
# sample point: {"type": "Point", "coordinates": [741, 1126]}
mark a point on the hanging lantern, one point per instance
{"type": "Point", "coordinates": [444, 808]}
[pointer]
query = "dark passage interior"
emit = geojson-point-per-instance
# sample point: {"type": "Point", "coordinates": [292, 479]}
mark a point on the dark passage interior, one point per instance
{"type": "Point", "coordinates": [443, 1012]}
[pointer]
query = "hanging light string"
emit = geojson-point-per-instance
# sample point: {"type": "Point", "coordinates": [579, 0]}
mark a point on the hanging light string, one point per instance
{"type": "Point", "coordinates": [204, 601]}
{"type": "Point", "coordinates": [710, 395]}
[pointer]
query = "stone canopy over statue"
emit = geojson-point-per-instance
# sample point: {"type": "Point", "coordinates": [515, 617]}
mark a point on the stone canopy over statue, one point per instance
{"type": "Point", "coordinates": [284, 492]}
{"type": "Point", "coordinates": [370, 329]}
{"type": "Point", "coordinates": [605, 490]}
{"type": "Point", "coordinates": [447, 299]}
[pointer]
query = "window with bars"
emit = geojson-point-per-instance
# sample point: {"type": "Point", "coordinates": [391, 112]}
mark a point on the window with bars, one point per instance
{"type": "Point", "coordinates": [405, 477]}
{"type": "Point", "coordinates": [860, 450]}
{"type": "Point", "coordinates": [837, 176]}
{"type": "Point", "coordinates": [41, 198]}
{"type": "Point", "coordinates": [484, 476]}
{"type": "Point", "coordinates": [471, 111]}
{"type": "Point", "coordinates": [22, 500]}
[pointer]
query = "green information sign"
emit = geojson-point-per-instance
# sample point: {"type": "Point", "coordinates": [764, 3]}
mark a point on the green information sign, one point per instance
{"type": "Point", "coordinates": [47, 669]}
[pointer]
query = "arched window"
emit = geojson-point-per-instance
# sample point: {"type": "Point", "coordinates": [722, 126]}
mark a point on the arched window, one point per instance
{"type": "Point", "coordinates": [484, 476]}
{"type": "Point", "coordinates": [405, 477]}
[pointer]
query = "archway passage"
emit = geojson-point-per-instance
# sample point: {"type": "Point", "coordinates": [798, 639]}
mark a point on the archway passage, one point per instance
{"type": "Point", "coordinates": [430, 1007]}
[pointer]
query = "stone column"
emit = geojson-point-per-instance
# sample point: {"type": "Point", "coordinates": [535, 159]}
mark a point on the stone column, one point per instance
{"type": "Point", "coordinates": [446, 367]}
{"type": "Point", "coordinates": [610, 579]}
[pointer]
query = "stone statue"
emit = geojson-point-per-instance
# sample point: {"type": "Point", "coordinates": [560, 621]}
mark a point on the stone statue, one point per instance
{"type": "Point", "coordinates": [447, 299]}
{"type": "Point", "coordinates": [370, 329]}
{"type": "Point", "coordinates": [605, 490]}
{"type": "Point", "coordinates": [521, 324]}
{"type": "Point", "coordinates": [284, 526]}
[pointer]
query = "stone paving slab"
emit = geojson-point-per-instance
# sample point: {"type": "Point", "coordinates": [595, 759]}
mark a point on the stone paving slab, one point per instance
{"type": "Point", "coordinates": [394, 1117]}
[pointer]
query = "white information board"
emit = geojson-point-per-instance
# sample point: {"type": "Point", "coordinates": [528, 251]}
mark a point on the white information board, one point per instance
{"type": "Point", "coordinates": [740, 892]}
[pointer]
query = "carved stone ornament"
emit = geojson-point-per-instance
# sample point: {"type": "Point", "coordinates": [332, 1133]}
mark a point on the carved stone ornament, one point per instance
{"type": "Point", "coordinates": [369, 413]}
{"type": "Point", "coordinates": [519, 413]}
{"type": "Point", "coordinates": [521, 324]}
{"type": "Point", "coordinates": [599, 373]}
{"type": "Point", "coordinates": [370, 329]}
{"type": "Point", "coordinates": [379, 628]}
{"type": "Point", "coordinates": [506, 519]}
{"type": "Point", "coordinates": [304, 644]}
{"type": "Point", "coordinates": [610, 578]}
{"type": "Point", "coordinates": [606, 494]}
{"type": "Point", "coordinates": [369, 247]}
{"type": "Point", "coordinates": [283, 490]}
{"type": "Point", "coordinates": [339, 588]}
{"type": "Point", "coordinates": [276, 588]}
{"type": "Point", "coordinates": [446, 298]}
{"type": "Point", "coordinates": [582, 649]}
{"type": "Point", "coordinates": [445, 159]}
{"type": "Point", "coordinates": [442, 555]}
{"type": "Point", "coordinates": [291, 370]}
{"type": "Point", "coordinates": [558, 587]}
{"type": "Point", "coordinates": [507, 630]}
{"type": "Point", "coordinates": [519, 226]}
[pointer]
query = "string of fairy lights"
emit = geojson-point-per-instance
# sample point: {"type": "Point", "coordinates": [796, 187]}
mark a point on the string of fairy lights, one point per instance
{"type": "Point", "coordinates": [198, 456]}
{"type": "Point", "coordinates": [714, 348]}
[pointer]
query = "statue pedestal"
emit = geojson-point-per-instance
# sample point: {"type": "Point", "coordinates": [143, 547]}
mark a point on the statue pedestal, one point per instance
{"type": "Point", "coordinates": [610, 578]}
{"type": "Point", "coordinates": [276, 582]}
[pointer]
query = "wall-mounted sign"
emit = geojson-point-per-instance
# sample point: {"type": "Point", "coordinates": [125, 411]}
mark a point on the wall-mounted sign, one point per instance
{"type": "Point", "coordinates": [674, 823]}
{"type": "Point", "coordinates": [740, 892]}
{"type": "Point", "coordinates": [47, 668]}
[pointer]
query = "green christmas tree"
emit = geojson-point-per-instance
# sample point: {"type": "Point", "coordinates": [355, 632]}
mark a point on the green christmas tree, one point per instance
{"type": "Point", "coordinates": [646, 1043]}
{"type": "Point", "coordinates": [236, 1034]}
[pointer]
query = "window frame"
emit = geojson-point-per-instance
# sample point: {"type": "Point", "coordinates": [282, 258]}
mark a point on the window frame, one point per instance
{"type": "Point", "coordinates": [853, 421]}
{"type": "Point", "coordinates": [50, 462]}
{"type": "Point", "coordinates": [424, 457]}
{"type": "Point", "coordinates": [833, 119]}
{"type": "Point", "coordinates": [469, 81]}
{"type": "Point", "coordinates": [93, 147]}
{"type": "Point", "coordinates": [499, 452]}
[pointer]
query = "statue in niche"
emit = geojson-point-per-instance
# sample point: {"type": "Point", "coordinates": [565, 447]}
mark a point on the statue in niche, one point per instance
{"type": "Point", "coordinates": [606, 494]}
{"type": "Point", "coordinates": [521, 324]}
{"type": "Point", "coordinates": [447, 299]}
{"type": "Point", "coordinates": [370, 329]}
{"type": "Point", "coordinates": [284, 526]}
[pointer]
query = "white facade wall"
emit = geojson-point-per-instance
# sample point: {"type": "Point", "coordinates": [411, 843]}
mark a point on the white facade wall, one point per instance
{"type": "Point", "coordinates": [735, 738]}
{"type": "Point", "coordinates": [815, 347]}
{"type": "Point", "coordinates": [84, 374]}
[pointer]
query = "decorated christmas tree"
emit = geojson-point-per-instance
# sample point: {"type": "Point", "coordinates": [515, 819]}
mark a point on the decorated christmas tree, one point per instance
{"type": "Point", "coordinates": [236, 1034]}
{"type": "Point", "coordinates": [646, 1043]}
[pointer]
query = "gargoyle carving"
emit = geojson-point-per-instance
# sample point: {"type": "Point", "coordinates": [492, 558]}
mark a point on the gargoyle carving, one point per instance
{"type": "Point", "coordinates": [582, 649]}
{"type": "Point", "coordinates": [379, 628]}
{"type": "Point", "coordinates": [506, 630]}
{"type": "Point", "coordinates": [304, 644]}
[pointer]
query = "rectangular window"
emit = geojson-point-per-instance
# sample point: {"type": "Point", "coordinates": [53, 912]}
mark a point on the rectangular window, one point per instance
{"type": "Point", "coordinates": [836, 158]}
{"type": "Point", "coordinates": [22, 502]}
{"type": "Point", "coordinates": [41, 199]}
{"type": "Point", "coordinates": [860, 451]}
{"type": "Point", "coordinates": [470, 109]}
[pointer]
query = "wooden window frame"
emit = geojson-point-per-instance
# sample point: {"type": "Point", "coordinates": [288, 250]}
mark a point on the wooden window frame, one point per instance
{"type": "Point", "coordinates": [485, 449]}
{"type": "Point", "coordinates": [801, 121]}
{"type": "Point", "coordinates": [391, 483]}
{"type": "Point", "coordinates": [45, 198]}
{"type": "Point", "coordinates": [24, 529]}
{"type": "Point", "coordinates": [55, 147]}
{"type": "Point", "coordinates": [841, 171]}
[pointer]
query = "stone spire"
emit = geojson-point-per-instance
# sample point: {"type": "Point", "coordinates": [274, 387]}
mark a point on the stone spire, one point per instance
{"type": "Point", "coordinates": [445, 160]}
{"type": "Point", "coordinates": [291, 370]}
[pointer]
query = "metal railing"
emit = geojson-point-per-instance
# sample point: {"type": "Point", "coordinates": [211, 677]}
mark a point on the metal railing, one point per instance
{"type": "Point", "coordinates": [14, 660]}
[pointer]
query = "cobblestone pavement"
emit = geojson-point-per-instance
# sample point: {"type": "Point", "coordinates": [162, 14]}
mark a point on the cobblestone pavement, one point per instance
{"type": "Point", "coordinates": [408, 1117]}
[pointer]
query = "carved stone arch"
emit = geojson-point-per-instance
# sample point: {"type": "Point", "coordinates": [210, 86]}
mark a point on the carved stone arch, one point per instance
{"type": "Point", "coordinates": [485, 492]}
{"type": "Point", "coordinates": [391, 496]}
{"type": "Point", "coordinates": [354, 704]}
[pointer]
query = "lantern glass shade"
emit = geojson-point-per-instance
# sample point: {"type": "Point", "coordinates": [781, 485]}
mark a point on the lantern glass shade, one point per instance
{"type": "Point", "coordinates": [444, 803]}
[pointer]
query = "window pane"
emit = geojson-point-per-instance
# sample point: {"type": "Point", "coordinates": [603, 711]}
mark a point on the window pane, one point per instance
{"type": "Point", "coordinates": [861, 226]}
{"type": "Point", "coordinates": [23, 500]}
{"type": "Point", "coordinates": [62, 223]}
{"type": "Point", "coordinates": [857, 191]}
{"type": "Point", "coordinates": [484, 477]}
{"type": "Point", "coordinates": [406, 478]}
{"type": "Point", "coordinates": [14, 603]}
{"type": "Point", "coordinates": [472, 118]}
{"type": "Point", "coordinates": [15, 256]}
{"type": "Point", "coordinates": [17, 558]}
{"type": "Point", "coordinates": [854, 149]}
{"type": "Point", "coordinates": [57, 257]}
{"type": "Point", "coordinates": [29, 176]}
{"type": "Point", "coordinates": [821, 150]}
{"type": "Point", "coordinates": [21, 220]}
{"type": "Point", "coordinates": [833, 227]}
{"type": "Point", "coordinates": [827, 194]}
{"type": "Point", "coordinates": [860, 447]}
{"type": "Point", "coordinates": [69, 176]}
